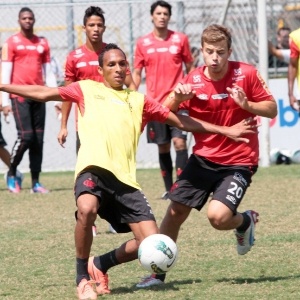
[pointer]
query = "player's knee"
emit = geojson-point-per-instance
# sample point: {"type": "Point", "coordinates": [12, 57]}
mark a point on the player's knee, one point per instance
{"type": "Point", "coordinates": [216, 220]}
{"type": "Point", "coordinates": [87, 214]}
{"type": "Point", "coordinates": [178, 212]}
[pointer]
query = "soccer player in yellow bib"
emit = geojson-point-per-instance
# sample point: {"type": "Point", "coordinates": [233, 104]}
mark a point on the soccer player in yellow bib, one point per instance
{"type": "Point", "coordinates": [110, 122]}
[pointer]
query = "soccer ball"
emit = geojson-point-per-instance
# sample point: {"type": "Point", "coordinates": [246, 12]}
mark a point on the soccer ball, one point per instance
{"type": "Point", "coordinates": [158, 253]}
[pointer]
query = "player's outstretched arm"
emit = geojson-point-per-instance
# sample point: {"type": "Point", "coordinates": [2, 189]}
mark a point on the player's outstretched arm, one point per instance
{"type": "Point", "coordinates": [36, 92]}
{"type": "Point", "coordinates": [235, 132]}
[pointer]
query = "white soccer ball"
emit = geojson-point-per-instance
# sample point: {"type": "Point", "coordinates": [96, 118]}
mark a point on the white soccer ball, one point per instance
{"type": "Point", "coordinates": [158, 253]}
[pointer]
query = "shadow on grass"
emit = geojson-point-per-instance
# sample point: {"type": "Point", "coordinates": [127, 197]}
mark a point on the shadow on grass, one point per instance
{"type": "Point", "coordinates": [167, 286]}
{"type": "Point", "coordinates": [257, 280]}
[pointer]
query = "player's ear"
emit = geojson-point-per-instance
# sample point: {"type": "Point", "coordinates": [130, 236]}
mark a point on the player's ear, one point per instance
{"type": "Point", "coordinates": [100, 70]}
{"type": "Point", "coordinates": [229, 52]}
{"type": "Point", "coordinates": [104, 28]}
{"type": "Point", "coordinates": [83, 28]}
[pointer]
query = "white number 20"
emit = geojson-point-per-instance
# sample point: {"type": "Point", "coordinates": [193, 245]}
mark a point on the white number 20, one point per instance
{"type": "Point", "coordinates": [236, 190]}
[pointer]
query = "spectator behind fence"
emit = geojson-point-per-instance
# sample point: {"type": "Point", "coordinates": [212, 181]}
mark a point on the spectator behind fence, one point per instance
{"type": "Point", "coordinates": [25, 58]}
{"type": "Point", "coordinates": [294, 70]}
{"type": "Point", "coordinates": [279, 55]}
{"type": "Point", "coordinates": [163, 52]}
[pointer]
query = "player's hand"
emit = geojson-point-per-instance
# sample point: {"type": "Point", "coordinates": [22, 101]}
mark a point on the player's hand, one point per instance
{"type": "Point", "coordinates": [183, 92]}
{"type": "Point", "coordinates": [239, 96]}
{"type": "Point", "coordinates": [62, 136]}
{"type": "Point", "coordinates": [246, 126]}
{"type": "Point", "coordinates": [294, 103]}
{"type": "Point", "coordinates": [6, 111]}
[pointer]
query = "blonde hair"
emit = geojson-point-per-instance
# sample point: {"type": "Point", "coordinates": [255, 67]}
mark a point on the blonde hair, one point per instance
{"type": "Point", "coordinates": [216, 33]}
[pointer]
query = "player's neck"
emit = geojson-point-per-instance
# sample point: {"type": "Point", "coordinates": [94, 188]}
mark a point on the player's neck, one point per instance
{"type": "Point", "coordinates": [27, 33]}
{"type": "Point", "coordinates": [160, 33]}
{"type": "Point", "coordinates": [216, 76]}
{"type": "Point", "coordinates": [94, 46]}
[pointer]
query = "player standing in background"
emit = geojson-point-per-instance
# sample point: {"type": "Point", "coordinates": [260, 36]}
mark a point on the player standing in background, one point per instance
{"type": "Point", "coordinates": [82, 63]}
{"type": "Point", "coordinates": [222, 92]}
{"type": "Point", "coordinates": [25, 58]}
{"type": "Point", "coordinates": [294, 69]}
{"type": "Point", "coordinates": [163, 53]}
{"type": "Point", "coordinates": [110, 123]}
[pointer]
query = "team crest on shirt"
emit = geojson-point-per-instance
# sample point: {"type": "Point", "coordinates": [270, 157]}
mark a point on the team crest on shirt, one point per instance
{"type": "Point", "coordinates": [40, 49]}
{"type": "Point", "coordinates": [173, 49]}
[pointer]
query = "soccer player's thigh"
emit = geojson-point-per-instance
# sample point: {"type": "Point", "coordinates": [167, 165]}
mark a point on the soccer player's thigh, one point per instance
{"type": "Point", "coordinates": [231, 189]}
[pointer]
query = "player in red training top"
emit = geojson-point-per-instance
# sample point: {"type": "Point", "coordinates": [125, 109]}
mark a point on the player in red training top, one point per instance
{"type": "Point", "coordinates": [25, 60]}
{"type": "Point", "coordinates": [162, 53]}
{"type": "Point", "coordinates": [222, 92]}
{"type": "Point", "coordinates": [110, 123]}
{"type": "Point", "coordinates": [82, 63]}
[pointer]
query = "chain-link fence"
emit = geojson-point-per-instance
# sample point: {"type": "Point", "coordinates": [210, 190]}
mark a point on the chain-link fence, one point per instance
{"type": "Point", "coordinates": [61, 23]}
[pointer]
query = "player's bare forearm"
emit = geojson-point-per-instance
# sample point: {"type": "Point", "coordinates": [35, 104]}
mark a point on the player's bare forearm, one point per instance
{"type": "Point", "coordinates": [235, 132]}
{"type": "Point", "coordinates": [65, 112]}
{"type": "Point", "coordinates": [36, 92]}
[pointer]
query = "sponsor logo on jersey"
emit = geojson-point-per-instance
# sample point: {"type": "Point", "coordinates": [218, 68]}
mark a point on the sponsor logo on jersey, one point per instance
{"type": "Point", "coordinates": [219, 96]}
{"type": "Point", "coordinates": [231, 199]}
{"type": "Point", "coordinates": [239, 177]}
{"type": "Point", "coordinates": [150, 50]}
{"type": "Point", "coordinates": [237, 72]}
{"type": "Point", "coordinates": [93, 63]}
{"type": "Point", "coordinates": [78, 51]}
{"type": "Point", "coordinates": [160, 50]}
{"type": "Point", "coordinates": [16, 39]}
{"type": "Point", "coordinates": [202, 97]}
{"type": "Point", "coordinates": [146, 42]}
{"type": "Point", "coordinates": [20, 47]}
{"type": "Point", "coordinates": [30, 47]}
{"type": "Point", "coordinates": [175, 38]}
{"type": "Point", "coordinates": [81, 64]}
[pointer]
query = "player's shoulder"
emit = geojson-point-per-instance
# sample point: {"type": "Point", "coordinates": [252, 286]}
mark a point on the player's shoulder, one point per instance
{"type": "Point", "coordinates": [145, 39]}
{"type": "Point", "coordinates": [15, 38]}
{"type": "Point", "coordinates": [77, 53]}
{"type": "Point", "coordinates": [239, 66]}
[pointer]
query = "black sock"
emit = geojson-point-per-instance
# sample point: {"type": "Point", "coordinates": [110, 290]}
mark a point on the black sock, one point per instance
{"type": "Point", "coordinates": [165, 162]}
{"type": "Point", "coordinates": [12, 171]}
{"type": "Point", "coordinates": [106, 261]}
{"type": "Point", "coordinates": [81, 269]}
{"type": "Point", "coordinates": [181, 160]}
{"type": "Point", "coordinates": [246, 223]}
{"type": "Point", "coordinates": [162, 277]}
{"type": "Point", "coordinates": [35, 178]}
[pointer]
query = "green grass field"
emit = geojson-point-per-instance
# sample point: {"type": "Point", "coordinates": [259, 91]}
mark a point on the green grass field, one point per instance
{"type": "Point", "coordinates": [37, 255]}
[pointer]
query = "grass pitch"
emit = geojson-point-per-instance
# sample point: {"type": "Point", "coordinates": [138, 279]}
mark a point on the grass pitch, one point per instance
{"type": "Point", "coordinates": [37, 255]}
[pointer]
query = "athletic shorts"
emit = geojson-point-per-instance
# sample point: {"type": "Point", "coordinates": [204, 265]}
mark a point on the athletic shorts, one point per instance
{"type": "Point", "coordinates": [120, 204]}
{"type": "Point", "coordinates": [201, 177]}
{"type": "Point", "coordinates": [2, 140]}
{"type": "Point", "coordinates": [161, 133]}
